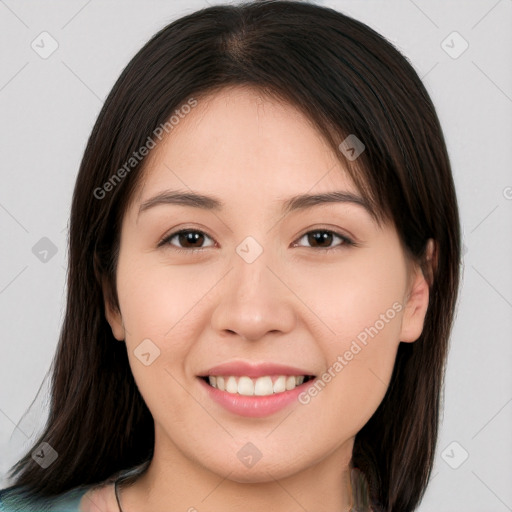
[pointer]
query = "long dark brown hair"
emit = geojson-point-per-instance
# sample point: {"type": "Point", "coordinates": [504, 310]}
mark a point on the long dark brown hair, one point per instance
{"type": "Point", "coordinates": [347, 79]}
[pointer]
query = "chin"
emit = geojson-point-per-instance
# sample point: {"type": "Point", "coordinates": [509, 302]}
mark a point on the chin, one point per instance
{"type": "Point", "coordinates": [263, 474]}
{"type": "Point", "coordinates": [267, 469]}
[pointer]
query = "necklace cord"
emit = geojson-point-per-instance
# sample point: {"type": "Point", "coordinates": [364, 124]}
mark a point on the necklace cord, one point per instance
{"type": "Point", "coordinates": [116, 489]}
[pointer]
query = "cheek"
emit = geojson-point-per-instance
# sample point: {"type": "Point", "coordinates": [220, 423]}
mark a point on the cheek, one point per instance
{"type": "Point", "coordinates": [154, 313]}
{"type": "Point", "coordinates": [159, 300]}
{"type": "Point", "coordinates": [353, 294]}
{"type": "Point", "coordinates": [157, 308]}
{"type": "Point", "coordinates": [360, 308]}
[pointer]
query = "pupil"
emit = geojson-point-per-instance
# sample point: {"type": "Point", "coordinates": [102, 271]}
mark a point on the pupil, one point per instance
{"type": "Point", "coordinates": [320, 236]}
{"type": "Point", "coordinates": [190, 236]}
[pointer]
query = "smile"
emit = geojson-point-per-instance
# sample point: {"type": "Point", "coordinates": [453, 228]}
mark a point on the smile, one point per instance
{"type": "Point", "coordinates": [266, 385]}
{"type": "Point", "coordinates": [251, 404]}
{"type": "Point", "coordinates": [247, 388]}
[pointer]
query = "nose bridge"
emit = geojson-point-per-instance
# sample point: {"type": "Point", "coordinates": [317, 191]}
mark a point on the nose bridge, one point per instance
{"type": "Point", "coordinates": [252, 256]}
{"type": "Point", "coordinates": [252, 278]}
{"type": "Point", "coordinates": [253, 301]}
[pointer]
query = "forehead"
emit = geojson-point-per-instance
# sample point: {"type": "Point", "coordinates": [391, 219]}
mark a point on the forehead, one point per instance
{"type": "Point", "coordinates": [239, 140]}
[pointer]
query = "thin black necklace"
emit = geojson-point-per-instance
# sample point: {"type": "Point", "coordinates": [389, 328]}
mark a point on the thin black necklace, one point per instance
{"type": "Point", "coordinates": [116, 489]}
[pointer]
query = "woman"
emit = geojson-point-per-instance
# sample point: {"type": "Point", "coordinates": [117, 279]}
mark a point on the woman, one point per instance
{"type": "Point", "coordinates": [263, 271]}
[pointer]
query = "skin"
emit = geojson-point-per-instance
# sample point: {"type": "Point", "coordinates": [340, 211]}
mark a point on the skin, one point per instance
{"type": "Point", "coordinates": [295, 305]}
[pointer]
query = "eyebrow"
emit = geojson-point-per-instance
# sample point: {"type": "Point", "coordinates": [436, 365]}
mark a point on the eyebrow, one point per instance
{"type": "Point", "coordinates": [295, 203]}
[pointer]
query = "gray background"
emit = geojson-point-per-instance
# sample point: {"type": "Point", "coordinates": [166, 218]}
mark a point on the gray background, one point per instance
{"type": "Point", "coordinates": [48, 107]}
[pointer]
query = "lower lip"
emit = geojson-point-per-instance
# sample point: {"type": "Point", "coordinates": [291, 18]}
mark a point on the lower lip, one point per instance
{"type": "Point", "coordinates": [254, 406]}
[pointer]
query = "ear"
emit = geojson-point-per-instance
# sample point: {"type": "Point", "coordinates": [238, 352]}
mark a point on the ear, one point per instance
{"type": "Point", "coordinates": [417, 299]}
{"type": "Point", "coordinates": [112, 314]}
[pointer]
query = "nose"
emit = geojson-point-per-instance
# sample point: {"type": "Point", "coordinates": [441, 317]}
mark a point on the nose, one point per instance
{"type": "Point", "coordinates": [254, 300]}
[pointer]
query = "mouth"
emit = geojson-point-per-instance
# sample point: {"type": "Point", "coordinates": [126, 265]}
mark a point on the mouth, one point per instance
{"type": "Point", "coordinates": [255, 389]}
{"type": "Point", "coordinates": [266, 385]}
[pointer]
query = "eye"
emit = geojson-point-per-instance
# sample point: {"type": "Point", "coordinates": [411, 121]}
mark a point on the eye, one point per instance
{"type": "Point", "coordinates": [191, 238]}
{"type": "Point", "coordinates": [325, 237]}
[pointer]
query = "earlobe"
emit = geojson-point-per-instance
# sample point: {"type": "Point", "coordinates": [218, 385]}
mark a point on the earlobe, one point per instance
{"type": "Point", "coordinates": [418, 298]}
{"type": "Point", "coordinates": [116, 322]}
{"type": "Point", "coordinates": [113, 315]}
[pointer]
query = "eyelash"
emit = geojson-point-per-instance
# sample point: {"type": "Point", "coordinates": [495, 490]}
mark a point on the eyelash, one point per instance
{"type": "Point", "coordinates": [346, 241]}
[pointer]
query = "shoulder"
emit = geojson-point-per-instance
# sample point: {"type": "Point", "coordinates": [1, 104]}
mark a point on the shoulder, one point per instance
{"type": "Point", "coordinates": [15, 499]}
{"type": "Point", "coordinates": [98, 498]}
{"type": "Point", "coordinates": [101, 498]}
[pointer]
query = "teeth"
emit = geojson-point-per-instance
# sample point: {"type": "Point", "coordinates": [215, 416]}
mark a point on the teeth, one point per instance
{"type": "Point", "coordinates": [262, 386]}
{"type": "Point", "coordinates": [280, 384]}
{"type": "Point", "coordinates": [245, 386]}
{"type": "Point", "coordinates": [290, 382]}
{"type": "Point", "coordinates": [231, 385]}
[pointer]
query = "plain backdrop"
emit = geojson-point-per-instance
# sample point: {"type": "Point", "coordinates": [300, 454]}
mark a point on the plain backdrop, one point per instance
{"type": "Point", "coordinates": [48, 104]}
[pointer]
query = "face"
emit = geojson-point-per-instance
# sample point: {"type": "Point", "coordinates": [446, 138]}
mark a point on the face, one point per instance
{"type": "Point", "coordinates": [320, 291]}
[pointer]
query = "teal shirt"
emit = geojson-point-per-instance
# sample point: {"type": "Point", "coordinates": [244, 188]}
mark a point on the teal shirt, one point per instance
{"type": "Point", "coordinates": [66, 502]}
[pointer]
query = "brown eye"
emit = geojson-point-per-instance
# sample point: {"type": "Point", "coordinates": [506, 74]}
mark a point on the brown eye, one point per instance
{"type": "Point", "coordinates": [323, 238]}
{"type": "Point", "coordinates": [190, 239]}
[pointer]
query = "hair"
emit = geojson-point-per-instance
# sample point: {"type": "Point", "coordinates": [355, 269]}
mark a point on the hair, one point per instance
{"type": "Point", "coordinates": [347, 79]}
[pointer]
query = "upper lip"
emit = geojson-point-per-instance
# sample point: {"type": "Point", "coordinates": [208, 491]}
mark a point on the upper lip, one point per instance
{"type": "Point", "coordinates": [254, 370]}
